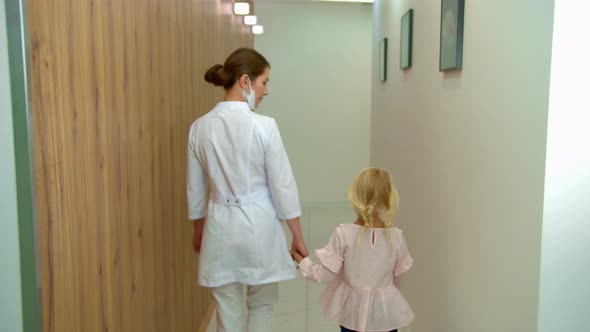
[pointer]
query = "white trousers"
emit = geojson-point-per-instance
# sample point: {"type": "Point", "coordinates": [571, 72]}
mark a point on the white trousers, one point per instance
{"type": "Point", "coordinates": [230, 307]}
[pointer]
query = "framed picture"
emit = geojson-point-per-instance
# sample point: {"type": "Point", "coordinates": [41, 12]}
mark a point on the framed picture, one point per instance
{"type": "Point", "coordinates": [451, 34]}
{"type": "Point", "coordinates": [406, 39]}
{"type": "Point", "coordinates": [383, 60]}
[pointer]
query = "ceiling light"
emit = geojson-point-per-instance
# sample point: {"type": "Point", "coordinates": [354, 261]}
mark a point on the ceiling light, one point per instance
{"type": "Point", "coordinates": [361, 1]}
{"type": "Point", "coordinates": [250, 20]}
{"type": "Point", "coordinates": [257, 29]}
{"type": "Point", "coordinates": [241, 8]}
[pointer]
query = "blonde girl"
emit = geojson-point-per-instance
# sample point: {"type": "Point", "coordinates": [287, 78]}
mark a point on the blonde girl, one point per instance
{"type": "Point", "coordinates": [362, 260]}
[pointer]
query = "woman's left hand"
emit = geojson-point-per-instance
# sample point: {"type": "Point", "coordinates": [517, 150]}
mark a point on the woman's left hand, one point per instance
{"type": "Point", "coordinates": [198, 234]}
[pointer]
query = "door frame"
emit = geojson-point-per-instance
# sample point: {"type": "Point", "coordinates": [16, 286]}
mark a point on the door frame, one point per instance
{"type": "Point", "coordinates": [18, 59]}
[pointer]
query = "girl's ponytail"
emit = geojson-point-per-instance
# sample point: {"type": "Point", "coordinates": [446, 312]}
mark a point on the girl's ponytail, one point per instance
{"type": "Point", "coordinates": [373, 191]}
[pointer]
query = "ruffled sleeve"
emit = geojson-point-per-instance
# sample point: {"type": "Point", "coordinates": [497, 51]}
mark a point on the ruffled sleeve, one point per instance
{"type": "Point", "coordinates": [330, 258]}
{"type": "Point", "coordinates": [404, 259]}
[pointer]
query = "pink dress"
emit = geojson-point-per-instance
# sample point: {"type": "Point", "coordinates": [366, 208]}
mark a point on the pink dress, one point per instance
{"type": "Point", "coordinates": [361, 295]}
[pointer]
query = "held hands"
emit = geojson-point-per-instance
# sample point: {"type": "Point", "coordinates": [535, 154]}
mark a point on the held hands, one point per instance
{"type": "Point", "coordinates": [296, 256]}
{"type": "Point", "coordinates": [298, 250]}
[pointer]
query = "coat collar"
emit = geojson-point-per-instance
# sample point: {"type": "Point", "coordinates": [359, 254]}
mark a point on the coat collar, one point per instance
{"type": "Point", "coordinates": [233, 106]}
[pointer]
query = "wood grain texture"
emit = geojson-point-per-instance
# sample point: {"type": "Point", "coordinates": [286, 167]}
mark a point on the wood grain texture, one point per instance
{"type": "Point", "coordinates": [115, 86]}
{"type": "Point", "coordinates": [207, 319]}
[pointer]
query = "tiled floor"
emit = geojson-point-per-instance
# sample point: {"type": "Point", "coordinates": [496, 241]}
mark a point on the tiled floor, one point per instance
{"type": "Point", "coordinates": [299, 308]}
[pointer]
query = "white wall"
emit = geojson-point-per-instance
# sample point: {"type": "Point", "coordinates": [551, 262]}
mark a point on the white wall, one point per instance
{"type": "Point", "coordinates": [319, 90]}
{"type": "Point", "coordinates": [467, 151]}
{"type": "Point", "coordinates": [10, 283]}
{"type": "Point", "coordinates": [565, 263]}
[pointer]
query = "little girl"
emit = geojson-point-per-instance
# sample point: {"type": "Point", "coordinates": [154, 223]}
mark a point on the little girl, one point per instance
{"type": "Point", "coordinates": [362, 260]}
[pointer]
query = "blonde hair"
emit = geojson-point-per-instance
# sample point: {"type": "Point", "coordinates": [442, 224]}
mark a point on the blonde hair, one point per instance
{"type": "Point", "coordinates": [372, 191]}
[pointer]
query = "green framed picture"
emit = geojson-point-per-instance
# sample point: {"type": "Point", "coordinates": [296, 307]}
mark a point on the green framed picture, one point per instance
{"type": "Point", "coordinates": [406, 39]}
{"type": "Point", "coordinates": [383, 60]}
{"type": "Point", "coordinates": [451, 34]}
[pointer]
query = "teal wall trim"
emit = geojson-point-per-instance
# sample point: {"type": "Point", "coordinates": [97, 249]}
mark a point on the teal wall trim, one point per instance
{"type": "Point", "coordinates": [18, 61]}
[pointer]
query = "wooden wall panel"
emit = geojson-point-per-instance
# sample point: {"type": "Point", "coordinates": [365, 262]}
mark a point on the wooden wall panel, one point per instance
{"type": "Point", "coordinates": [115, 85]}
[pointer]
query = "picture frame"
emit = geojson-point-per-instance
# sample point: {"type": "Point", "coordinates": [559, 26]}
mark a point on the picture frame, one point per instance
{"type": "Point", "coordinates": [406, 39]}
{"type": "Point", "coordinates": [452, 16]}
{"type": "Point", "coordinates": [383, 59]}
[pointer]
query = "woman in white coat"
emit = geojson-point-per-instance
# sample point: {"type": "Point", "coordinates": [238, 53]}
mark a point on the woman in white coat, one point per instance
{"type": "Point", "coordinates": [238, 227]}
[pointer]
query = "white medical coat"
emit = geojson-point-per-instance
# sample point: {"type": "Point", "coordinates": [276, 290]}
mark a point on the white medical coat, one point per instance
{"type": "Point", "coordinates": [240, 154]}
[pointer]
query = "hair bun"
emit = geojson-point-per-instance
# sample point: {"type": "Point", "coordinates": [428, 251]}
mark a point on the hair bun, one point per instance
{"type": "Point", "coordinates": [217, 75]}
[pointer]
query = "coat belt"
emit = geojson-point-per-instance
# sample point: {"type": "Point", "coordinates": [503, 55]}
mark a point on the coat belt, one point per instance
{"type": "Point", "coordinates": [240, 199]}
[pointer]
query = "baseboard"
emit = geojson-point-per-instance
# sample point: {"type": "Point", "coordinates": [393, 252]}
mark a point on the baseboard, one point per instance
{"type": "Point", "coordinates": [207, 318]}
